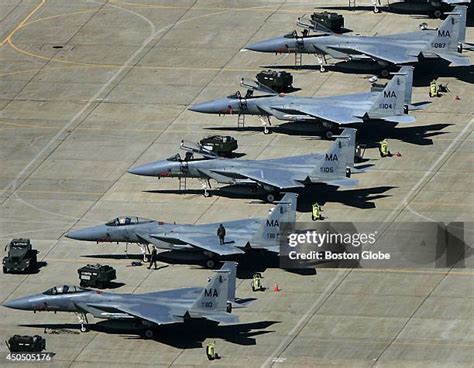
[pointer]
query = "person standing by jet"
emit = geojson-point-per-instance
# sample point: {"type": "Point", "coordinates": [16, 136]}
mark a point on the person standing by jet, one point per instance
{"type": "Point", "coordinates": [316, 212]}
{"type": "Point", "coordinates": [153, 258]}
{"type": "Point", "coordinates": [221, 233]}
{"type": "Point", "coordinates": [383, 149]}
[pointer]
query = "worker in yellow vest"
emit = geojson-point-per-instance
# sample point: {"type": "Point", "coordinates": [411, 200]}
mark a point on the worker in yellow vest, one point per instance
{"type": "Point", "coordinates": [434, 92]}
{"type": "Point", "coordinates": [383, 149]}
{"type": "Point", "coordinates": [211, 351]}
{"type": "Point", "coordinates": [257, 282]}
{"type": "Point", "coordinates": [316, 213]}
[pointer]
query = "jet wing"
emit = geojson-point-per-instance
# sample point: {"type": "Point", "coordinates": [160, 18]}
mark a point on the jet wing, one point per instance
{"type": "Point", "coordinates": [156, 313]}
{"type": "Point", "coordinates": [222, 318]}
{"type": "Point", "coordinates": [339, 115]}
{"type": "Point", "coordinates": [392, 54]}
{"type": "Point", "coordinates": [345, 182]}
{"type": "Point", "coordinates": [455, 59]}
{"type": "Point", "coordinates": [220, 178]}
{"type": "Point", "coordinates": [274, 177]}
{"type": "Point", "coordinates": [404, 119]}
{"type": "Point", "coordinates": [205, 242]}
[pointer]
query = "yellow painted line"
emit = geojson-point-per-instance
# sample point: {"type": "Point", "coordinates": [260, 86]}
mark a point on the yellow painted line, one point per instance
{"type": "Point", "coordinates": [99, 65]}
{"type": "Point", "coordinates": [9, 125]}
{"type": "Point", "coordinates": [390, 270]}
{"type": "Point", "coordinates": [401, 270]}
{"type": "Point", "coordinates": [23, 22]}
{"type": "Point", "coordinates": [264, 8]}
{"type": "Point", "coordinates": [379, 342]}
{"type": "Point", "coordinates": [60, 192]}
{"type": "Point", "coordinates": [86, 259]}
{"type": "Point", "coordinates": [5, 125]}
{"type": "Point", "coordinates": [59, 16]}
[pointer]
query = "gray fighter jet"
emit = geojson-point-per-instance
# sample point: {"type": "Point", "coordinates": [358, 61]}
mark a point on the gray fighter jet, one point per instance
{"type": "Point", "coordinates": [389, 104]}
{"type": "Point", "coordinates": [198, 240]}
{"type": "Point", "coordinates": [446, 42]}
{"type": "Point", "coordinates": [213, 302]}
{"type": "Point", "coordinates": [333, 168]}
{"type": "Point", "coordinates": [434, 8]}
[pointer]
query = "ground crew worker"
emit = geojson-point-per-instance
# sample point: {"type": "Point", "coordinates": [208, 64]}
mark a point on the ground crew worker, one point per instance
{"type": "Point", "coordinates": [143, 250]}
{"type": "Point", "coordinates": [383, 149]}
{"type": "Point", "coordinates": [153, 258]}
{"type": "Point", "coordinates": [211, 351]}
{"type": "Point", "coordinates": [433, 88]}
{"type": "Point", "coordinates": [221, 233]}
{"type": "Point", "coordinates": [257, 282]}
{"type": "Point", "coordinates": [316, 213]}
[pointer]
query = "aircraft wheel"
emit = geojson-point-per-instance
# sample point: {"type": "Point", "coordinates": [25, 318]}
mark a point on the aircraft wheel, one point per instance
{"type": "Point", "coordinates": [148, 333]}
{"type": "Point", "coordinates": [384, 73]}
{"type": "Point", "coordinates": [376, 10]}
{"type": "Point", "coordinates": [270, 198]}
{"type": "Point", "coordinates": [329, 134]}
{"type": "Point", "coordinates": [83, 328]}
{"type": "Point", "coordinates": [207, 194]}
{"type": "Point", "coordinates": [437, 13]}
{"type": "Point", "coordinates": [210, 263]}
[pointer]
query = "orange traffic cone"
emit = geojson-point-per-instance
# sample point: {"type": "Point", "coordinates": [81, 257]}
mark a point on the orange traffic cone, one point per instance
{"type": "Point", "coordinates": [276, 289]}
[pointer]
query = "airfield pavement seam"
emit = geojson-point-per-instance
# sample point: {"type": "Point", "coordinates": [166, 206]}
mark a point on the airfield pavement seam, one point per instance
{"type": "Point", "coordinates": [76, 117]}
{"type": "Point", "coordinates": [13, 183]}
{"type": "Point", "coordinates": [376, 360]}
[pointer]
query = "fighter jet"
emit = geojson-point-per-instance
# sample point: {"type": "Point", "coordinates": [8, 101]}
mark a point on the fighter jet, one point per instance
{"type": "Point", "coordinates": [198, 242]}
{"type": "Point", "coordinates": [435, 9]}
{"type": "Point", "coordinates": [446, 42]}
{"type": "Point", "coordinates": [150, 310]}
{"type": "Point", "coordinates": [333, 168]}
{"type": "Point", "coordinates": [389, 104]}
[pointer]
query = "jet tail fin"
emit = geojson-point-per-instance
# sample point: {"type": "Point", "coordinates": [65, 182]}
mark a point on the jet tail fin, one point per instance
{"type": "Point", "coordinates": [232, 268]}
{"type": "Point", "coordinates": [337, 159]}
{"type": "Point", "coordinates": [391, 101]}
{"type": "Point", "coordinates": [283, 212]}
{"type": "Point", "coordinates": [451, 32]}
{"type": "Point", "coordinates": [213, 298]}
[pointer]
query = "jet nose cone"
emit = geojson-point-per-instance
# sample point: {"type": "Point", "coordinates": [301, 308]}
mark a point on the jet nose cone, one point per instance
{"type": "Point", "coordinates": [218, 106]}
{"type": "Point", "coordinates": [94, 233]}
{"type": "Point", "coordinates": [21, 303]}
{"type": "Point", "coordinates": [151, 169]}
{"type": "Point", "coordinates": [271, 45]}
{"type": "Point", "coordinates": [78, 234]}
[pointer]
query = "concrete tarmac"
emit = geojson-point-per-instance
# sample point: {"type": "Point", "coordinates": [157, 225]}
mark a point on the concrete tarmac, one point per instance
{"type": "Point", "coordinates": [89, 89]}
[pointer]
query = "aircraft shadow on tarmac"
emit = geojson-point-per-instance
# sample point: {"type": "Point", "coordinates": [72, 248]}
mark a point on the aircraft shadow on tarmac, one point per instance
{"type": "Point", "coordinates": [419, 135]}
{"type": "Point", "coordinates": [424, 72]}
{"type": "Point", "coordinates": [369, 134]}
{"type": "Point", "coordinates": [358, 198]}
{"type": "Point", "coordinates": [249, 264]}
{"type": "Point", "coordinates": [396, 10]}
{"type": "Point", "coordinates": [186, 335]}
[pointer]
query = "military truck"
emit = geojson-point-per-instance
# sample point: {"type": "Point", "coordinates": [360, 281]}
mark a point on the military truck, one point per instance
{"type": "Point", "coordinates": [279, 81]}
{"type": "Point", "coordinates": [17, 344]}
{"type": "Point", "coordinates": [97, 275]}
{"type": "Point", "coordinates": [21, 257]}
{"type": "Point", "coordinates": [331, 21]}
{"type": "Point", "coordinates": [220, 145]}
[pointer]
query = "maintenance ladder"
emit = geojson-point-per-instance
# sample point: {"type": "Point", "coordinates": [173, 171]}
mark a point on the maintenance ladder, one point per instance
{"type": "Point", "coordinates": [299, 55]}
{"type": "Point", "coordinates": [241, 116]}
